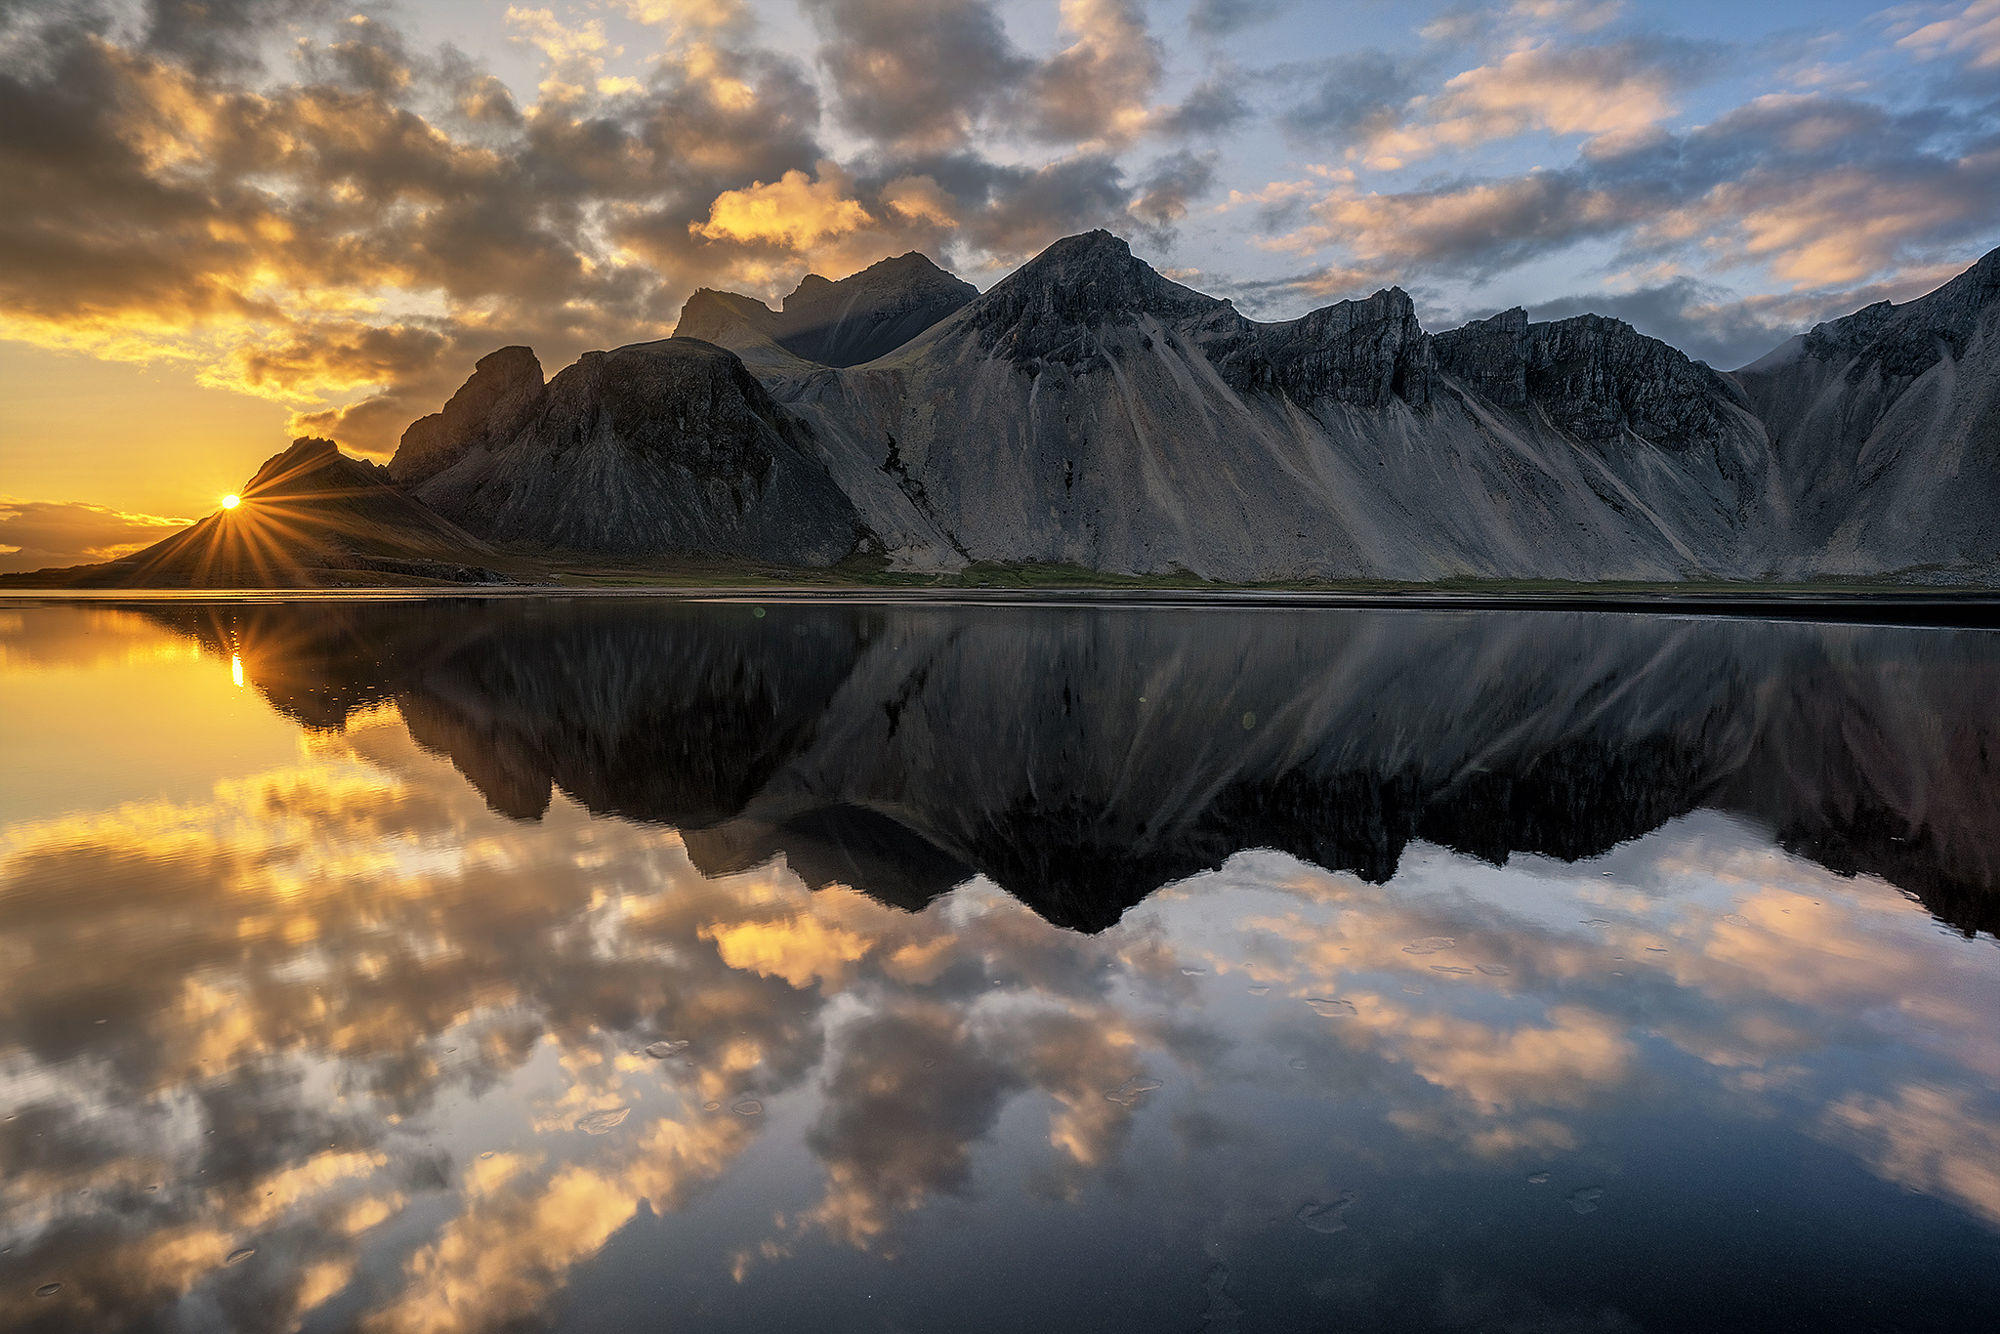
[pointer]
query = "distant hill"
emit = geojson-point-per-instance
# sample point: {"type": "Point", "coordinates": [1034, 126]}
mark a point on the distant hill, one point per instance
{"type": "Point", "coordinates": [859, 318]}
{"type": "Point", "coordinates": [1090, 413]}
{"type": "Point", "coordinates": [310, 517]}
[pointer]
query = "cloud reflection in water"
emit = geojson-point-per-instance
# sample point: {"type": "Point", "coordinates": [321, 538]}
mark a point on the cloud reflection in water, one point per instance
{"type": "Point", "coordinates": [349, 1010]}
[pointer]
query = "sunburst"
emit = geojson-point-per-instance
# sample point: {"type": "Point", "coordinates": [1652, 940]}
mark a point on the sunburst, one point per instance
{"type": "Point", "coordinates": [263, 536]}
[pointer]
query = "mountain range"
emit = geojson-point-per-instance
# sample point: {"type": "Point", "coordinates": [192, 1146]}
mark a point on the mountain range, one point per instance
{"type": "Point", "coordinates": [1089, 412]}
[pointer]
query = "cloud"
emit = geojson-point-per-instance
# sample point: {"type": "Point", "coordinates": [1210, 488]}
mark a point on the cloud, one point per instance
{"type": "Point", "coordinates": [1223, 18]}
{"type": "Point", "coordinates": [1353, 97]}
{"type": "Point", "coordinates": [914, 1091]}
{"type": "Point", "coordinates": [924, 77]}
{"type": "Point", "coordinates": [1211, 106]}
{"type": "Point", "coordinates": [795, 211]}
{"type": "Point", "coordinates": [1570, 15]}
{"type": "Point", "coordinates": [1024, 210]}
{"type": "Point", "coordinates": [1479, 227]}
{"type": "Point", "coordinates": [1818, 191]}
{"type": "Point", "coordinates": [38, 534]}
{"type": "Point", "coordinates": [279, 236]}
{"type": "Point", "coordinates": [689, 19]}
{"type": "Point", "coordinates": [916, 74]}
{"type": "Point", "coordinates": [1096, 90]}
{"type": "Point", "coordinates": [1935, 1140]}
{"type": "Point", "coordinates": [1171, 185]}
{"type": "Point", "coordinates": [1612, 94]}
{"type": "Point", "coordinates": [331, 358]}
{"type": "Point", "coordinates": [1968, 33]}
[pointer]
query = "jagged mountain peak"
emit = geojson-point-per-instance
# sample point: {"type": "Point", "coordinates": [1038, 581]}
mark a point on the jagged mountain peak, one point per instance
{"type": "Point", "coordinates": [1362, 351]}
{"type": "Point", "coordinates": [1041, 310]}
{"type": "Point", "coordinates": [899, 275]}
{"type": "Point", "coordinates": [1903, 341]}
{"type": "Point", "coordinates": [1096, 246]}
{"type": "Point", "coordinates": [488, 410]}
{"type": "Point", "coordinates": [284, 470]}
{"type": "Point", "coordinates": [1590, 323]}
{"type": "Point", "coordinates": [1103, 266]}
{"type": "Point", "coordinates": [1383, 303]}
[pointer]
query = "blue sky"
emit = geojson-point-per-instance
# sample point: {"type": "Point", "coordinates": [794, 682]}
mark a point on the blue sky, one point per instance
{"type": "Point", "coordinates": [234, 219]}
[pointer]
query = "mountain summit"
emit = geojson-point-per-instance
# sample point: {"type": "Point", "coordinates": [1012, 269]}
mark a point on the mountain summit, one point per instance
{"type": "Point", "coordinates": [1885, 427]}
{"type": "Point", "coordinates": [827, 323]}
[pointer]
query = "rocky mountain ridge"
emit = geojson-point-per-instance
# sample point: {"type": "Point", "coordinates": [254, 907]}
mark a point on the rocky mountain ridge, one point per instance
{"type": "Point", "coordinates": [1088, 411]}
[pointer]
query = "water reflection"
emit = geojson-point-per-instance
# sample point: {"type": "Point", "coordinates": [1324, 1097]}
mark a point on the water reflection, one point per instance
{"type": "Point", "coordinates": [1082, 759]}
{"type": "Point", "coordinates": [1076, 969]}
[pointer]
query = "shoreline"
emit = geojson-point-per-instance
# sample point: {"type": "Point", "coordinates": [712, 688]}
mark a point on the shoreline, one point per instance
{"type": "Point", "coordinates": [1886, 606]}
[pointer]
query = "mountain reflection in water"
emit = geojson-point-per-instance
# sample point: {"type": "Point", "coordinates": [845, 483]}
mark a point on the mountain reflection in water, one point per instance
{"type": "Point", "coordinates": [992, 968]}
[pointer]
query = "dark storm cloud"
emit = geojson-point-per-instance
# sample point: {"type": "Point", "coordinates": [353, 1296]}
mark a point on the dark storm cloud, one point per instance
{"type": "Point", "coordinates": [210, 33]}
{"type": "Point", "coordinates": [168, 195]}
{"type": "Point", "coordinates": [1025, 210]}
{"type": "Point", "coordinates": [925, 75]}
{"type": "Point", "coordinates": [359, 353]}
{"type": "Point", "coordinates": [371, 56]}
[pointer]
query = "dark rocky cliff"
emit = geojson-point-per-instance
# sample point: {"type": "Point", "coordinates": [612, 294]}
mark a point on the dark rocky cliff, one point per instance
{"type": "Point", "coordinates": [487, 412]}
{"type": "Point", "coordinates": [668, 448]}
{"type": "Point", "coordinates": [1361, 352]}
{"type": "Point", "coordinates": [1885, 430]}
{"type": "Point", "coordinates": [1595, 378]}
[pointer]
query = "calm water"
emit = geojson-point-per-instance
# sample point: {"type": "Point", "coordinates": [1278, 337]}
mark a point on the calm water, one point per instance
{"type": "Point", "coordinates": [408, 967]}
